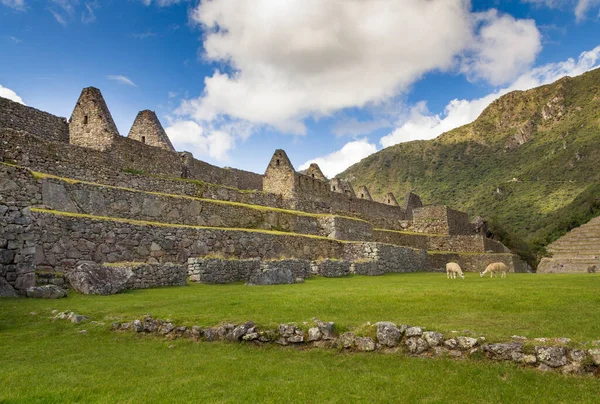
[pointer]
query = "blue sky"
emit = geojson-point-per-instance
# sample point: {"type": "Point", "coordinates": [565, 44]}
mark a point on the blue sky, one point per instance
{"type": "Point", "coordinates": [331, 82]}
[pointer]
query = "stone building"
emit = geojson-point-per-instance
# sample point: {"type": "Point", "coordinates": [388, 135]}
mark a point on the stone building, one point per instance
{"type": "Point", "coordinates": [148, 130]}
{"type": "Point", "coordinates": [91, 124]}
{"type": "Point", "coordinates": [78, 193]}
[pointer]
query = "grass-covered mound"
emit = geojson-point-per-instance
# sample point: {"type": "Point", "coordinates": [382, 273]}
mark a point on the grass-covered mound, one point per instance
{"type": "Point", "coordinates": [530, 163]}
{"type": "Point", "coordinates": [50, 361]}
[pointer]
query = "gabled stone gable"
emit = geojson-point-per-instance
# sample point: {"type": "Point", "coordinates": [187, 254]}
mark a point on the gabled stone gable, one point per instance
{"type": "Point", "coordinates": [91, 124]}
{"type": "Point", "coordinates": [148, 130]}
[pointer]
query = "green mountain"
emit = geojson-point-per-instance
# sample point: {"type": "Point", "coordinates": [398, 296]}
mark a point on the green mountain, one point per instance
{"type": "Point", "coordinates": [530, 164]}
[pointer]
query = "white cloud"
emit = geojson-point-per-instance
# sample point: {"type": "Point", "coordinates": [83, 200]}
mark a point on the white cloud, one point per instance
{"type": "Point", "coordinates": [88, 16]}
{"type": "Point", "coordinates": [285, 62]}
{"type": "Point", "coordinates": [122, 79]}
{"type": "Point", "coordinates": [583, 6]}
{"type": "Point", "coordinates": [162, 3]}
{"type": "Point", "coordinates": [10, 94]}
{"type": "Point", "coordinates": [63, 10]}
{"type": "Point", "coordinates": [188, 135]}
{"type": "Point", "coordinates": [303, 58]}
{"type": "Point", "coordinates": [16, 4]}
{"type": "Point", "coordinates": [580, 7]}
{"type": "Point", "coordinates": [338, 161]}
{"type": "Point", "coordinates": [424, 125]}
{"type": "Point", "coordinates": [504, 48]}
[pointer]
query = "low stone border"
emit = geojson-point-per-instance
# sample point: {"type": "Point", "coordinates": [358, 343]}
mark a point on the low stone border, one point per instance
{"type": "Point", "coordinates": [387, 337]}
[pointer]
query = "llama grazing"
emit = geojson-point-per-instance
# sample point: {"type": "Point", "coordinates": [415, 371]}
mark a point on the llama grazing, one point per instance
{"type": "Point", "coordinates": [495, 267]}
{"type": "Point", "coordinates": [452, 268]}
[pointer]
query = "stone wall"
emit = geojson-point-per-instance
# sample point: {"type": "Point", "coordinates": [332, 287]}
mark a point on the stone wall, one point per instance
{"type": "Point", "coordinates": [109, 167]}
{"type": "Point", "coordinates": [331, 268]}
{"type": "Point", "coordinates": [377, 259]}
{"type": "Point", "coordinates": [474, 243]}
{"type": "Point", "coordinates": [20, 117]}
{"type": "Point", "coordinates": [440, 220]}
{"type": "Point", "coordinates": [476, 262]}
{"type": "Point", "coordinates": [218, 270]}
{"type": "Point", "coordinates": [17, 243]}
{"type": "Point", "coordinates": [155, 275]}
{"type": "Point", "coordinates": [78, 197]}
{"type": "Point", "coordinates": [64, 240]}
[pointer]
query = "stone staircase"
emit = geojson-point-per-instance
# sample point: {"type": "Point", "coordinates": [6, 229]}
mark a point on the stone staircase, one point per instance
{"type": "Point", "coordinates": [576, 252]}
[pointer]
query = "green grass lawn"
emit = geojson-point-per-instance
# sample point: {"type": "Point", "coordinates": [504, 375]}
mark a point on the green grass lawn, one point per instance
{"type": "Point", "coordinates": [49, 361]}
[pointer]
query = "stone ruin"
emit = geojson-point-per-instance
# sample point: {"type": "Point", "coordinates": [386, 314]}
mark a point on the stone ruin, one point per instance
{"type": "Point", "coordinates": [76, 191]}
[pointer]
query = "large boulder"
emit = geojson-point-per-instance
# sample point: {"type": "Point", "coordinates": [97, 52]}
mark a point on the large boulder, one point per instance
{"type": "Point", "coordinates": [94, 279]}
{"type": "Point", "coordinates": [6, 290]}
{"type": "Point", "coordinates": [272, 276]}
{"type": "Point", "coordinates": [46, 292]}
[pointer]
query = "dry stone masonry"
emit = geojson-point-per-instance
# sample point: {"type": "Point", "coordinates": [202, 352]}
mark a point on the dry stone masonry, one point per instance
{"type": "Point", "coordinates": [388, 337]}
{"type": "Point", "coordinates": [79, 192]}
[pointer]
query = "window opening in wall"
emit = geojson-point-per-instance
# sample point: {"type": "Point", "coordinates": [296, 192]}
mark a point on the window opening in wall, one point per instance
{"type": "Point", "coordinates": [277, 162]}
{"type": "Point", "coordinates": [313, 176]}
{"type": "Point", "coordinates": [334, 188]}
{"type": "Point", "coordinates": [143, 139]}
{"type": "Point", "coordinates": [100, 117]}
{"type": "Point", "coordinates": [362, 195]}
{"type": "Point", "coordinates": [85, 119]}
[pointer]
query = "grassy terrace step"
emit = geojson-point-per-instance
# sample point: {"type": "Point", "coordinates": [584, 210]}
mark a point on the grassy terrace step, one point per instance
{"type": "Point", "coordinates": [412, 233]}
{"type": "Point", "coordinates": [162, 224]}
{"type": "Point", "coordinates": [39, 175]}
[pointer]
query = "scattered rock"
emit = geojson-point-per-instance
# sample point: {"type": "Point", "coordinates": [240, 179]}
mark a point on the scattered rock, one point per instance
{"type": "Point", "coordinates": [544, 368]}
{"type": "Point", "coordinates": [82, 331]}
{"type": "Point", "coordinates": [552, 356]}
{"type": "Point", "coordinates": [326, 329]}
{"type": "Point", "coordinates": [466, 342]}
{"type": "Point", "coordinates": [238, 332]}
{"type": "Point", "coordinates": [388, 334]}
{"type": "Point", "coordinates": [6, 290]}
{"type": "Point", "coordinates": [208, 334]}
{"type": "Point", "coordinates": [137, 326]}
{"type": "Point", "coordinates": [91, 278]}
{"type": "Point", "coordinates": [365, 344]}
{"type": "Point", "coordinates": [502, 351]}
{"type": "Point", "coordinates": [519, 337]}
{"type": "Point", "coordinates": [347, 340]}
{"type": "Point", "coordinates": [416, 345]}
{"type": "Point", "coordinates": [414, 332]}
{"type": "Point", "coordinates": [577, 355]}
{"type": "Point", "coordinates": [595, 354]}
{"type": "Point", "coordinates": [224, 330]}
{"type": "Point", "coordinates": [451, 343]}
{"type": "Point", "coordinates": [314, 334]}
{"type": "Point", "coordinates": [251, 336]}
{"type": "Point", "coordinates": [272, 276]}
{"type": "Point", "coordinates": [77, 318]}
{"type": "Point", "coordinates": [571, 368]}
{"type": "Point", "coordinates": [297, 337]}
{"type": "Point", "coordinates": [46, 292]}
{"type": "Point", "coordinates": [563, 340]}
{"type": "Point", "coordinates": [433, 338]}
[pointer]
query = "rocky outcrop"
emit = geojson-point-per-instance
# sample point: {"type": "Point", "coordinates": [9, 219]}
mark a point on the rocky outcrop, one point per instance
{"type": "Point", "coordinates": [93, 279]}
{"type": "Point", "coordinates": [277, 275]}
{"type": "Point", "coordinates": [6, 290]}
{"type": "Point", "coordinates": [46, 292]}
